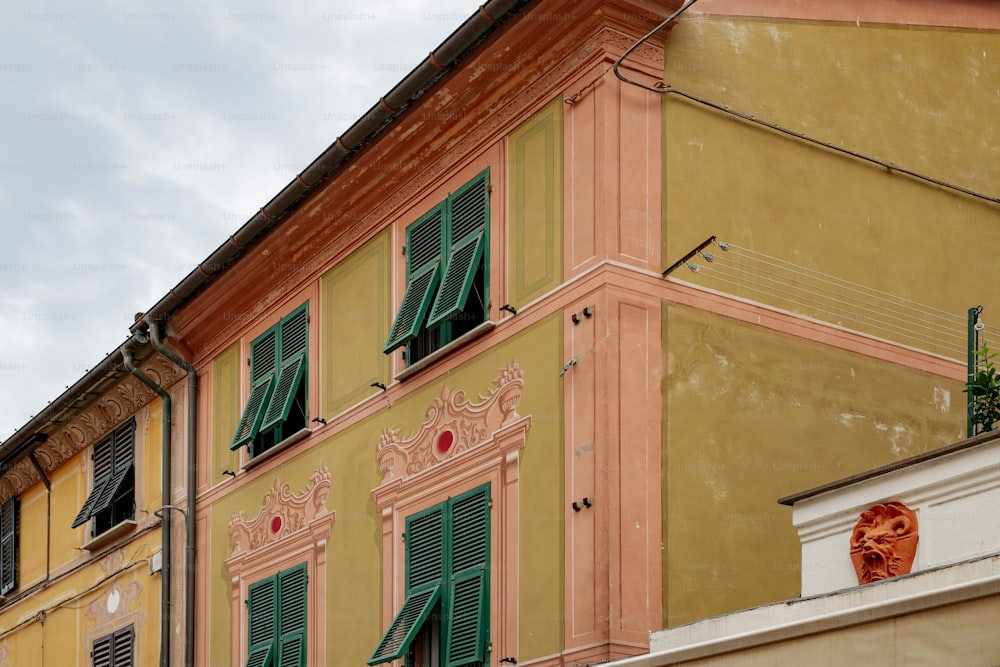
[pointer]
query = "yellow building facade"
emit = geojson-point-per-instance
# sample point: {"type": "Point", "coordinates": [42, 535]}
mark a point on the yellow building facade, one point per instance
{"type": "Point", "coordinates": [445, 401]}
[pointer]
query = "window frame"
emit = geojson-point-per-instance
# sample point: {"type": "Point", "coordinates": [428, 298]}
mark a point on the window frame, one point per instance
{"type": "Point", "coordinates": [439, 587]}
{"type": "Point", "coordinates": [279, 378]}
{"type": "Point", "coordinates": [406, 489]}
{"type": "Point", "coordinates": [442, 270]}
{"type": "Point", "coordinates": [105, 506]}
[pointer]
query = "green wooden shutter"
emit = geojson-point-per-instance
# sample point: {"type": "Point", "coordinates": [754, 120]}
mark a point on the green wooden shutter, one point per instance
{"type": "Point", "coordinates": [280, 405]}
{"type": "Point", "coordinates": [425, 568]}
{"type": "Point", "coordinates": [469, 208]}
{"type": "Point", "coordinates": [467, 230]}
{"type": "Point", "coordinates": [264, 361]}
{"type": "Point", "coordinates": [404, 628]}
{"type": "Point", "coordinates": [293, 604]}
{"type": "Point", "coordinates": [424, 247]}
{"type": "Point", "coordinates": [295, 333]}
{"type": "Point", "coordinates": [416, 302]}
{"type": "Point", "coordinates": [262, 603]}
{"type": "Point", "coordinates": [264, 355]}
{"type": "Point", "coordinates": [8, 545]}
{"type": "Point", "coordinates": [253, 413]}
{"type": "Point", "coordinates": [466, 628]}
{"type": "Point", "coordinates": [463, 262]}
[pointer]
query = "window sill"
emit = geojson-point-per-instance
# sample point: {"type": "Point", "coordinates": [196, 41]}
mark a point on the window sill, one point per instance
{"type": "Point", "coordinates": [409, 371]}
{"type": "Point", "coordinates": [284, 444]}
{"type": "Point", "coordinates": [110, 535]}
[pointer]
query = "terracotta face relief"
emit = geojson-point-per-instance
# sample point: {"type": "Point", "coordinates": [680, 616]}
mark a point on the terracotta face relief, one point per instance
{"type": "Point", "coordinates": [884, 542]}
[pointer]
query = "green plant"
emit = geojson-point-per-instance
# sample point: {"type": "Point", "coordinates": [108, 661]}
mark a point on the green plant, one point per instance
{"type": "Point", "coordinates": [984, 388]}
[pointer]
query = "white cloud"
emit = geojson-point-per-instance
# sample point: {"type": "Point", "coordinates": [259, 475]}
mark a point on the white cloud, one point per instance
{"type": "Point", "coordinates": [137, 136]}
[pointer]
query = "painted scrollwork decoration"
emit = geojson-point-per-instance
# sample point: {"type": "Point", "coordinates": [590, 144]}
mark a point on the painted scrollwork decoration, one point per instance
{"type": "Point", "coordinates": [453, 425]}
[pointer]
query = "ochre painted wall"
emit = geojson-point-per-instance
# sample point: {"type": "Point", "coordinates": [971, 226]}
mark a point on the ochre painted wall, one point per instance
{"type": "Point", "coordinates": [354, 318]}
{"type": "Point", "coordinates": [226, 409]}
{"type": "Point", "coordinates": [107, 594]}
{"type": "Point", "coordinates": [535, 219]}
{"type": "Point", "coordinates": [353, 595]}
{"type": "Point", "coordinates": [921, 98]}
{"type": "Point", "coordinates": [752, 416]}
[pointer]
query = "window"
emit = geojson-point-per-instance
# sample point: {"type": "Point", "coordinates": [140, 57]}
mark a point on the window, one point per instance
{"type": "Point", "coordinates": [276, 608]}
{"type": "Point", "coordinates": [8, 545]}
{"type": "Point", "coordinates": [277, 404]}
{"type": "Point", "coordinates": [447, 274]}
{"type": "Point", "coordinates": [444, 619]}
{"type": "Point", "coordinates": [112, 499]}
{"type": "Point", "coordinates": [115, 650]}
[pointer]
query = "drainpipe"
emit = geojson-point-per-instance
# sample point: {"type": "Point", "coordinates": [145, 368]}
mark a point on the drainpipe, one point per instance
{"type": "Point", "coordinates": [165, 515]}
{"type": "Point", "coordinates": [192, 451]}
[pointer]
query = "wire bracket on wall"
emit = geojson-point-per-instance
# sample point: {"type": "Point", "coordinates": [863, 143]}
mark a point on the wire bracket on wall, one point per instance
{"type": "Point", "coordinates": [684, 260]}
{"type": "Point", "coordinates": [567, 365]}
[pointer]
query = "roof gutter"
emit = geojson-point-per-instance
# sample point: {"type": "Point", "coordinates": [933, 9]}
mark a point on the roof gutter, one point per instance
{"type": "Point", "coordinates": [477, 27]}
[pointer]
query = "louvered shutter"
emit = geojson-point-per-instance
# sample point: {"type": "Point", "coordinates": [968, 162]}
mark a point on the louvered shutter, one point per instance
{"type": "Point", "coordinates": [467, 618]}
{"type": "Point", "coordinates": [261, 616]}
{"type": "Point", "coordinates": [292, 617]}
{"type": "Point", "coordinates": [463, 262]}
{"type": "Point", "coordinates": [113, 458]}
{"type": "Point", "coordinates": [263, 363]}
{"type": "Point", "coordinates": [121, 653]}
{"type": "Point", "coordinates": [425, 568]}
{"type": "Point", "coordinates": [102, 654]}
{"type": "Point", "coordinates": [293, 334]}
{"type": "Point", "coordinates": [8, 545]}
{"type": "Point", "coordinates": [424, 246]}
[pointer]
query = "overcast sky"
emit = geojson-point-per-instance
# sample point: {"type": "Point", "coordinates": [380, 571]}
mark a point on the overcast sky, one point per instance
{"type": "Point", "coordinates": [137, 135]}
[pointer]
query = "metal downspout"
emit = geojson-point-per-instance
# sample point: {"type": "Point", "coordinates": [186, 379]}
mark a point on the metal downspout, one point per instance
{"type": "Point", "coordinates": [164, 516]}
{"type": "Point", "coordinates": [189, 518]}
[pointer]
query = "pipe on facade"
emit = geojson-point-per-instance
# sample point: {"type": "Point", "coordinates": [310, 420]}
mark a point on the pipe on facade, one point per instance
{"type": "Point", "coordinates": [490, 16]}
{"type": "Point", "coordinates": [165, 482]}
{"type": "Point", "coordinates": [189, 518]}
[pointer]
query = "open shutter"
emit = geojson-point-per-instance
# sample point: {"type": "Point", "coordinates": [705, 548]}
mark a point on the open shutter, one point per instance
{"type": "Point", "coordinates": [424, 570]}
{"type": "Point", "coordinates": [466, 623]}
{"type": "Point", "coordinates": [463, 262]}
{"type": "Point", "coordinates": [8, 546]}
{"type": "Point", "coordinates": [404, 628]}
{"type": "Point", "coordinates": [292, 602]}
{"type": "Point", "coordinates": [280, 404]}
{"type": "Point", "coordinates": [261, 615]}
{"type": "Point", "coordinates": [110, 491]}
{"type": "Point", "coordinates": [470, 208]}
{"type": "Point", "coordinates": [253, 413]}
{"type": "Point", "coordinates": [264, 360]}
{"type": "Point", "coordinates": [103, 472]}
{"type": "Point", "coordinates": [424, 244]}
{"type": "Point", "coordinates": [416, 302]}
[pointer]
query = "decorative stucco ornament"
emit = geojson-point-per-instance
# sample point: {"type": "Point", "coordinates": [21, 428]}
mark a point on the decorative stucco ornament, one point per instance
{"type": "Point", "coordinates": [884, 542]}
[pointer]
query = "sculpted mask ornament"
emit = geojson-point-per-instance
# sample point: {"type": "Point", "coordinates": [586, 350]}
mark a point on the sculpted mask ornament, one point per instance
{"type": "Point", "coordinates": [884, 542]}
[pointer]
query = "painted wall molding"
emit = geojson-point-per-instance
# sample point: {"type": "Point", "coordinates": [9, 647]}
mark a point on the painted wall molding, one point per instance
{"type": "Point", "coordinates": [286, 529]}
{"type": "Point", "coordinates": [419, 471]}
